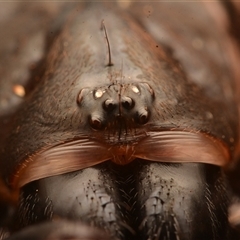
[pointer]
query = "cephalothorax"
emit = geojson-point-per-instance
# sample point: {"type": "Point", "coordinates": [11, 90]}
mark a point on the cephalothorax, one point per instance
{"type": "Point", "coordinates": [124, 127]}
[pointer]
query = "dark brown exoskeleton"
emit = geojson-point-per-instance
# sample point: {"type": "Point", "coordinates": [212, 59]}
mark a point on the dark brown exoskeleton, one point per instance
{"type": "Point", "coordinates": [129, 117]}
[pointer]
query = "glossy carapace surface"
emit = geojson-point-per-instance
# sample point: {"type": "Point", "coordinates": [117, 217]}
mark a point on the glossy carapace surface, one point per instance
{"type": "Point", "coordinates": [71, 100]}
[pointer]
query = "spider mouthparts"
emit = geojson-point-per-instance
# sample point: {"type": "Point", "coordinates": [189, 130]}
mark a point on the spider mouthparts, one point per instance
{"type": "Point", "coordinates": [122, 154]}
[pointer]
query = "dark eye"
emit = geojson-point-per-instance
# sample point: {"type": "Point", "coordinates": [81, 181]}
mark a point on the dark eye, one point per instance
{"type": "Point", "coordinates": [95, 122]}
{"type": "Point", "coordinates": [81, 95]}
{"type": "Point", "coordinates": [142, 117]}
{"type": "Point", "coordinates": [128, 103]}
{"type": "Point", "coordinates": [109, 105]}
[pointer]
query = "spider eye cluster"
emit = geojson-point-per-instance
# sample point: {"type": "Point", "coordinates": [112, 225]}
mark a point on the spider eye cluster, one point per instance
{"type": "Point", "coordinates": [117, 102]}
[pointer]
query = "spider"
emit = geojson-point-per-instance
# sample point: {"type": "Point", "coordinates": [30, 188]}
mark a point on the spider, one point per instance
{"type": "Point", "coordinates": [119, 120]}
